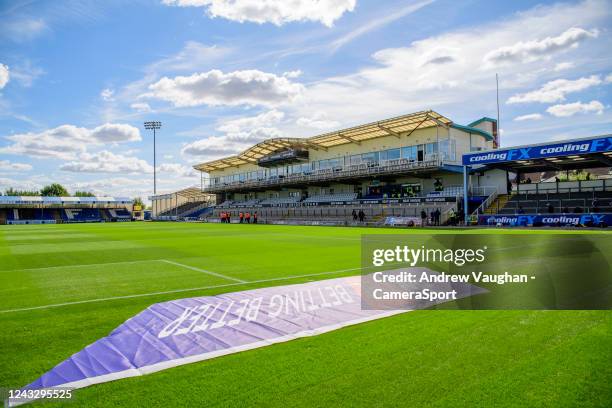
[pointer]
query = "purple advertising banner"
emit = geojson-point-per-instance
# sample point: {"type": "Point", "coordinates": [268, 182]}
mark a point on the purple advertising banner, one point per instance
{"type": "Point", "coordinates": [194, 329]}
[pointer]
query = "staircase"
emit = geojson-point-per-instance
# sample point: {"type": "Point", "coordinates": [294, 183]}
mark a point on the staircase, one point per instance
{"type": "Point", "coordinates": [57, 216]}
{"type": "Point", "coordinates": [498, 204]}
{"type": "Point", "coordinates": [104, 214]}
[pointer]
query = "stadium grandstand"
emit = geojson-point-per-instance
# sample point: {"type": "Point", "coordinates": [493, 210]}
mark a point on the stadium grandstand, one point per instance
{"type": "Point", "coordinates": [55, 210]}
{"type": "Point", "coordinates": [553, 184]}
{"type": "Point", "coordinates": [391, 170]}
{"type": "Point", "coordinates": [186, 204]}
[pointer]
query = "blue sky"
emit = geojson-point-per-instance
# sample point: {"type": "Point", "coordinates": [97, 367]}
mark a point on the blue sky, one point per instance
{"type": "Point", "coordinates": [78, 78]}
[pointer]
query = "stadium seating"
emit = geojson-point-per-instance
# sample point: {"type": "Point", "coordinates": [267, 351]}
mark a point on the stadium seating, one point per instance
{"type": "Point", "coordinates": [120, 214]}
{"type": "Point", "coordinates": [328, 198]}
{"type": "Point", "coordinates": [82, 215]}
{"type": "Point", "coordinates": [531, 203]}
{"type": "Point", "coordinates": [199, 213]}
{"type": "Point", "coordinates": [280, 201]}
{"type": "Point", "coordinates": [182, 209]}
{"type": "Point", "coordinates": [334, 214]}
{"type": "Point", "coordinates": [248, 203]}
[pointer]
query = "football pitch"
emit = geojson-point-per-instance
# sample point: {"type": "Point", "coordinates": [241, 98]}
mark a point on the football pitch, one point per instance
{"type": "Point", "coordinates": [63, 287]}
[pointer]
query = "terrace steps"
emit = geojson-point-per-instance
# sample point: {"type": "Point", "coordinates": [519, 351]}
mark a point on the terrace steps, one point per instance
{"type": "Point", "coordinates": [498, 204]}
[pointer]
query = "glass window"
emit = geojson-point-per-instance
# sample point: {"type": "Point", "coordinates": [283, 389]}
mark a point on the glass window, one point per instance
{"type": "Point", "coordinates": [431, 148]}
{"type": "Point", "coordinates": [409, 153]}
{"type": "Point", "coordinates": [393, 154]}
{"type": "Point", "coordinates": [382, 155]}
{"type": "Point", "coordinates": [369, 157]}
{"type": "Point", "coordinates": [356, 159]}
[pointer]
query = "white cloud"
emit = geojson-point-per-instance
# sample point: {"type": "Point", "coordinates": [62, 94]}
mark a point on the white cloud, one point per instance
{"type": "Point", "coordinates": [25, 72]}
{"type": "Point", "coordinates": [192, 57]}
{"type": "Point", "coordinates": [107, 162]}
{"type": "Point", "coordinates": [608, 79]}
{"type": "Point", "coordinates": [115, 133]}
{"type": "Point", "coordinates": [562, 66]}
{"type": "Point", "coordinates": [402, 79]}
{"type": "Point", "coordinates": [527, 51]}
{"type": "Point", "coordinates": [4, 75]}
{"type": "Point", "coordinates": [22, 29]}
{"type": "Point", "coordinates": [531, 116]}
{"type": "Point", "coordinates": [277, 12]}
{"type": "Point", "coordinates": [570, 109]}
{"type": "Point", "coordinates": [107, 94]}
{"type": "Point", "coordinates": [292, 74]}
{"type": "Point", "coordinates": [239, 134]}
{"type": "Point", "coordinates": [6, 165]}
{"type": "Point", "coordinates": [250, 87]}
{"type": "Point", "coordinates": [318, 121]}
{"type": "Point", "coordinates": [66, 141]}
{"type": "Point", "coordinates": [177, 169]}
{"type": "Point", "coordinates": [141, 107]}
{"type": "Point", "coordinates": [376, 23]}
{"type": "Point", "coordinates": [555, 91]}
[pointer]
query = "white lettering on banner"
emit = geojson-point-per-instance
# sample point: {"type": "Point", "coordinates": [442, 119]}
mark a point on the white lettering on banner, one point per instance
{"type": "Point", "coordinates": [584, 147]}
{"type": "Point", "coordinates": [196, 319]}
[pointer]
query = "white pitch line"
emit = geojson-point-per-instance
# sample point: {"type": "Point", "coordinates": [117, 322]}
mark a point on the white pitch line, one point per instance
{"type": "Point", "coordinates": [193, 268]}
{"type": "Point", "coordinates": [42, 268]}
{"type": "Point", "coordinates": [176, 291]}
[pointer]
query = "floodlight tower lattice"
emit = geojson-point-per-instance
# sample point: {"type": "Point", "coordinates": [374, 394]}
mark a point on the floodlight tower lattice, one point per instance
{"type": "Point", "coordinates": [154, 125]}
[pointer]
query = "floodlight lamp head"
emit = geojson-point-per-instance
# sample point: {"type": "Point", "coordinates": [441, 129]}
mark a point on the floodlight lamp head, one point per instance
{"type": "Point", "coordinates": [149, 125]}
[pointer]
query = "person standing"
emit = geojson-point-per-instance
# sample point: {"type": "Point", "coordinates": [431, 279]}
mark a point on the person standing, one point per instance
{"type": "Point", "coordinates": [255, 217]}
{"type": "Point", "coordinates": [423, 218]}
{"type": "Point", "coordinates": [354, 215]}
{"type": "Point", "coordinates": [241, 216]}
{"type": "Point", "coordinates": [248, 217]}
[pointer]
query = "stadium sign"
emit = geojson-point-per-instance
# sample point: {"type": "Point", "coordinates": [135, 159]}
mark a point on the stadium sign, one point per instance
{"type": "Point", "coordinates": [184, 331]}
{"type": "Point", "coordinates": [412, 200]}
{"type": "Point", "coordinates": [598, 145]}
{"type": "Point", "coordinates": [549, 220]}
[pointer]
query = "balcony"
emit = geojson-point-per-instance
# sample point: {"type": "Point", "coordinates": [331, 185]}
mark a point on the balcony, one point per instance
{"type": "Point", "coordinates": [338, 174]}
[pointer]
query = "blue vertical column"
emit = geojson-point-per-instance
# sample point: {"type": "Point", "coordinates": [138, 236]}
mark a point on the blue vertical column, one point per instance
{"type": "Point", "coordinates": [465, 194]}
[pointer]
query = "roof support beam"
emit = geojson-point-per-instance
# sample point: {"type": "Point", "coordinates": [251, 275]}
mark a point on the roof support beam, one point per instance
{"type": "Point", "coordinates": [350, 139]}
{"type": "Point", "coordinates": [440, 123]}
{"type": "Point", "coordinates": [386, 129]}
{"type": "Point", "coordinates": [417, 126]}
{"type": "Point", "coordinates": [603, 159]}
{"type": "Point", "coordinates": [548, 163]}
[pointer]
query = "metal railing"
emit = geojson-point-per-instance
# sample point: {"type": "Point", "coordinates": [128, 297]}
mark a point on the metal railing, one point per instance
{"type": "Point", "coordinates": [486, 203]}
{"type": "Point", "coordinates": [333, 174]}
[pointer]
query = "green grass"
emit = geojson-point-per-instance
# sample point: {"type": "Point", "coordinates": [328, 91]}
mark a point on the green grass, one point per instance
{"type": "Point", "coordinates": [423, 358]}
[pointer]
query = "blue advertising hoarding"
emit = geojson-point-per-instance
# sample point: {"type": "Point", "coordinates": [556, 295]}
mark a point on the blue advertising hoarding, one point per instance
{"type": "Point", "coordinates": [575, 147]}
{"type": "Point", "coordinates": [548, 220]}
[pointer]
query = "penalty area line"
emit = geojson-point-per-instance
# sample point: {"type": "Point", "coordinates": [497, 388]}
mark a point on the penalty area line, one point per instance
{"type": "Point", "coordinates": [166, 292]}
{"type": "Point", "coordinates": [193, 268]}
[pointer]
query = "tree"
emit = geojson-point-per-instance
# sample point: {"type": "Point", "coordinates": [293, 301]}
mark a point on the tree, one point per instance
{"type": "Point", "coordinates": [84, 194]}
{"type": "Point", "coordinates": [54, 190]}
{"type": "Point", "coordinates": [138, 201]}
{"type": "Point", "coordinates": [12, 192]}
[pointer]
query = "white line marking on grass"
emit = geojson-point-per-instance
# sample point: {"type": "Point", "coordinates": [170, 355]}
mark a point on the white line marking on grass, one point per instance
{"type": "Point", "coordinates": [42, 268]}
{"type": "Point", "coordinates": [193, 268]}
{"type": "Point", "coordinates": [166, 292]}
